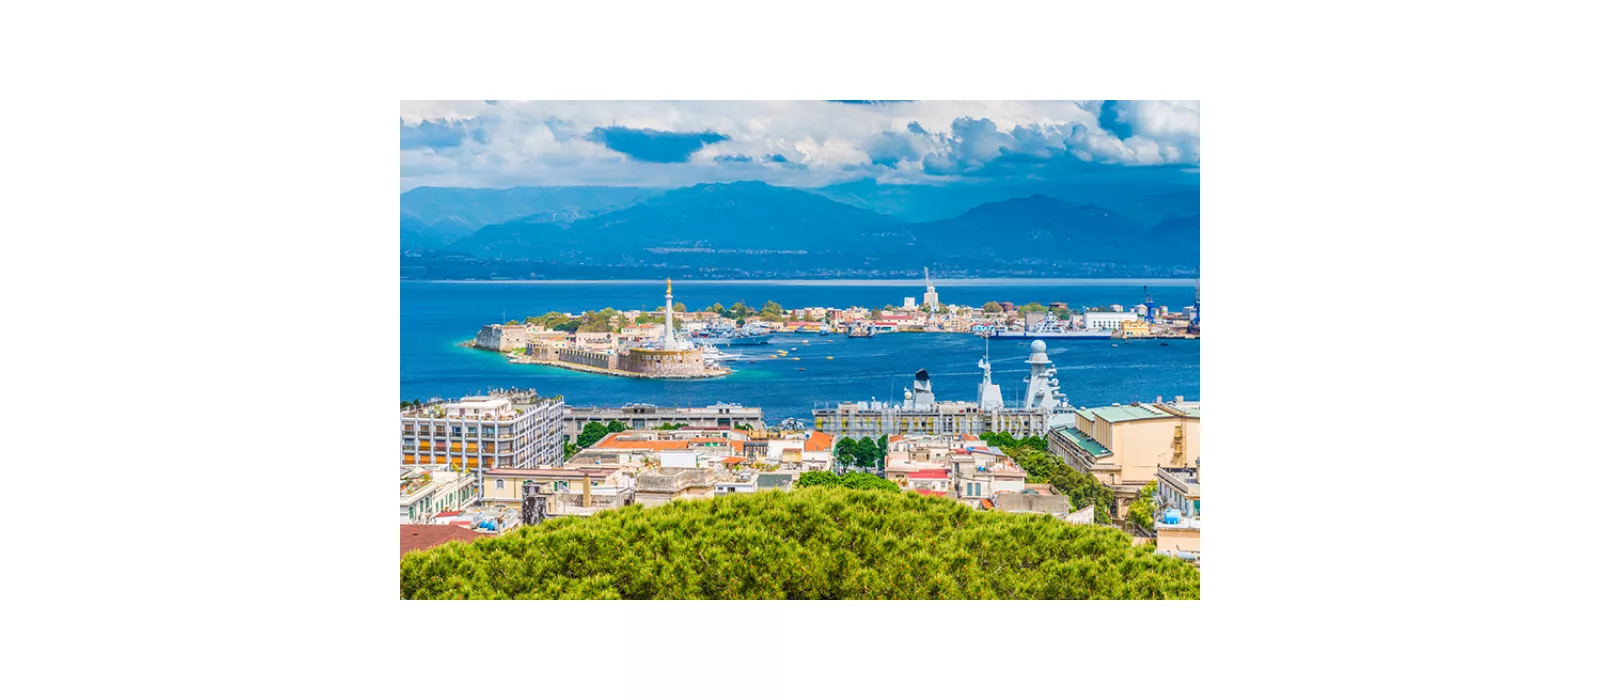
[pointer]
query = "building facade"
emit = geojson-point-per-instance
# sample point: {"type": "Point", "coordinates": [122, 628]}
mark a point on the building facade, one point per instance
{"type": "Point", "coordinates": [480, 432]}
{"type": "Point", "coordinates": [1125, 446]}
{"type": "Point", "coordinates": [1107, 320]}
{"type": "Point", "coordinates": [920, 413]}
{"type": "Point", "coordinates": [643, 416]}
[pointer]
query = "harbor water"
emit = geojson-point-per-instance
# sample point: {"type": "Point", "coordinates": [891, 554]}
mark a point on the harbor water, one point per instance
{"type": "Point", "coordinates": [436, 317]}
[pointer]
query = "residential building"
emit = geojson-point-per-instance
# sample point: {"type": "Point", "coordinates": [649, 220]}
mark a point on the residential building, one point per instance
{"type": "Point", "coordinates": [606, 485]}
{"type": "Point", "coordinates": [667, 484]}
{"type": "Point", "coordinates": [424, 494]}
{"type": "Point", "coordinates": [1125, 446]}
{"type": "Point", "coordinates": [979, 479]}
{"type": "Point", "coordinates": [1043, 499]}
{"type": "Point", "coordinates": [1178, 535]}
{"type": "Point", "coordinates": [1179, 489]}
{"type": "Point", "coordinates": [643, 416]}
{"type": "Point", "coordinates": [637, 450]}
{"type": "Point", "coordinates": [511, 430]}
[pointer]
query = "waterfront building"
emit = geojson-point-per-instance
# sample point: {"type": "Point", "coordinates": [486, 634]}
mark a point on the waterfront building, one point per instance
{"type": "Point", "coordinates": [516, 429]}
{"type": "Point", "coordinates": [920, 413]}
{"type": "Point", "coordinates": [1107, 320]}
{"type": "Point", "coordinates": [643, 416]}
{"type": "Point", "coordinates": [502, 337]}
{"type": "Point", "coordinates": [1125, 446]}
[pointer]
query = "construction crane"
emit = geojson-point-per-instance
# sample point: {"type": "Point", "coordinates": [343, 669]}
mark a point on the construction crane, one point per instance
{"type": "Point", "coordinates": [1149, 306]}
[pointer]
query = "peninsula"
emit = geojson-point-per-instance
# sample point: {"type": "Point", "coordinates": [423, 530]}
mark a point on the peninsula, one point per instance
{"type": "Point", "coordinates": [663, 356]}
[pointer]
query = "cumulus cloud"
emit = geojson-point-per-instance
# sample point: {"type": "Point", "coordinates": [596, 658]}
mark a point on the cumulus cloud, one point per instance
{"type": "Point", "coordinates": [497, 144]}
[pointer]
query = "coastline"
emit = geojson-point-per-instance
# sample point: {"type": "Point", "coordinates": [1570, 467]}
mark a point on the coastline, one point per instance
{"type": "Point", "coordinates": [855, 282]}
{"type": "Point", "coordinates": [523, 360]}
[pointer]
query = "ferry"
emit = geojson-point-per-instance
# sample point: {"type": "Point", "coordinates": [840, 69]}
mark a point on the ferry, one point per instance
{"type": "Point", "coordinates": [861, 332]}
{"type": "Point", "coordinates": [726, 336]}
{"type": "Point", "coordinates": [1048, 329]}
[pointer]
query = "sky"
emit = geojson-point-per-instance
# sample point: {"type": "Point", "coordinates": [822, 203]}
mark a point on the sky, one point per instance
{"type": "Point", "coordinates": [495, 143]}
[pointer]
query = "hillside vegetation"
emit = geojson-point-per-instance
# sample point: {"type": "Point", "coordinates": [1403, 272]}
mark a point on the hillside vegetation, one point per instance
{"type": "Point", "coordinates": [818, 542]}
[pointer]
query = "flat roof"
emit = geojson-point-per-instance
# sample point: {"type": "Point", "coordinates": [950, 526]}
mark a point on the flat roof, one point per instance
{"type": "Point", "coordinates": [1084, 442]}
{"type": "Point", "coordinates": [1117, 414]}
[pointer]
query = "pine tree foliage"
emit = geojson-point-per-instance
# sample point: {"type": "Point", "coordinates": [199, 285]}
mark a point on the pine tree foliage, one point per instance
{"type": "Point", "coordinates": [811, 543]}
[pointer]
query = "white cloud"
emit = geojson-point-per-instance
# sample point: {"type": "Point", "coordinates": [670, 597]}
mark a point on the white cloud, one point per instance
{"type": "Point", "coordinates": [547, 143]}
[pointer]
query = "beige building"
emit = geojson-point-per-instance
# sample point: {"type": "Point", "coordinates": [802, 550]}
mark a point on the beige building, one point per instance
{"type": "Point", "coordinates": [502, 338]}
{"type": "Point", "coordinates": [603, 487]}
{"type": "Point", "coordinates": [1124, 446]}
{"type": "Point", "coordinates": [667, 484]}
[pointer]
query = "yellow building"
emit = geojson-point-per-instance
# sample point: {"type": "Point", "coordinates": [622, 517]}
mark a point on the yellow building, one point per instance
{"type": "Point", "coordinates": [1124, 446]}
{"type": "Point", "coordinates": [1135, 329]}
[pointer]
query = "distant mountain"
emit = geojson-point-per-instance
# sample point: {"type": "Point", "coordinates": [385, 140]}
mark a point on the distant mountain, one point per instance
{"type": "Point", "coordinates": [738, 215]}
{"type": "Point", "coordinates": [1045, 232]}
{"type": "Point", "coordinates": [1146, 195]}
{"type": "Point", "coordinates": [752, 229]}
{"type": "Point", "coordinates": [730, 225]}
{"type": "Point", "coordinates": [438, 216]}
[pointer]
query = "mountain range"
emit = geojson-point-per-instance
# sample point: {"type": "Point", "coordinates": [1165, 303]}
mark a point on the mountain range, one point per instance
{"type": "Point", "coordinates": [753, 229]}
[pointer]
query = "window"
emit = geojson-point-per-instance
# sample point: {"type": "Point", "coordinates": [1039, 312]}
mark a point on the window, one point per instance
{"type": "Point", "coordinates": [499, 484]}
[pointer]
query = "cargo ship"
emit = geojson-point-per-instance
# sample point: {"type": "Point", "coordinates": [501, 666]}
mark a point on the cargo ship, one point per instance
{"type": "Point", "coordinates": [1048, 329]}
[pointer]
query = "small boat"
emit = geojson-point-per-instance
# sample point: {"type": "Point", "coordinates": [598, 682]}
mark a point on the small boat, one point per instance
{"type": "Point", "coordinates": [1163, 343]}
{"type": "Point", "coordinates": [1113, 345]}
{"type": "Point", "coordinates": [802, 369]}
{"type": "Point", "coordinates": [830, 357]}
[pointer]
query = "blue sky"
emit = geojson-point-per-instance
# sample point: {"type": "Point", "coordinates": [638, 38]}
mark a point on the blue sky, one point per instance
{"type": "Point", "coordinates": [803, 144]}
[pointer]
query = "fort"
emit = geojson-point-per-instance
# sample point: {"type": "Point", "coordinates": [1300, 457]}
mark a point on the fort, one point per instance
{"type": "Point", "coordinates": [666, 357]}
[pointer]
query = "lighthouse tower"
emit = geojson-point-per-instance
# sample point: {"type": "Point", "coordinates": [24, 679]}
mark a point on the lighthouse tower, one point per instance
{"type": "Point", "coordinates": [669, 340]}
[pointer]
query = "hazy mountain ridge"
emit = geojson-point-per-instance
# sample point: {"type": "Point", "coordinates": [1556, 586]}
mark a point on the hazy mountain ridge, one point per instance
{"type": "Point", "coordinates": [746, 229]}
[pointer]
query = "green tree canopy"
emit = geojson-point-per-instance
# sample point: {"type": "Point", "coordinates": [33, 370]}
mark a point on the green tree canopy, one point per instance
{"type": "Point", "coordinates": [992, 307]}
{"type": "Point", "coordinates": [770, 311]}
{"type": "Point", "coordinates": [1141, 512]}
{"type": "Point", "coordinates": [1032, 307]}
{"type": "Point", "coordinates": [844, 452]}
{"type": "Point", "coordinates": [811, 543]}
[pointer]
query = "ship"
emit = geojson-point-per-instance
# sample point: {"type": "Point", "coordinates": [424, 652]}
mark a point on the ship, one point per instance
{"type": "Point", "coordinates": [1048, 329]}
{"type": "Point", "coordinates": [861, 331]}
{"type": "Point", "coordinates": [727, 336]}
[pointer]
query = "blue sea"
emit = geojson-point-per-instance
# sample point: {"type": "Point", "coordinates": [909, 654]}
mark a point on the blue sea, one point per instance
{"type": "Point", "coordinates": [435, 317]}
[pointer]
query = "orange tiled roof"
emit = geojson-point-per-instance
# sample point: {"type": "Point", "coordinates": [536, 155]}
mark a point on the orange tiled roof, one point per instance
{"type": "Point", "coordinates": [819, 442]}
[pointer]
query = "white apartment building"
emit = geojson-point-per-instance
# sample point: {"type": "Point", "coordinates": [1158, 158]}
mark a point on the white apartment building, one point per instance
{"type": "Point", "coordinates": [481, 432]}
{"type": "Point", "coordinates": [424, 494]}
